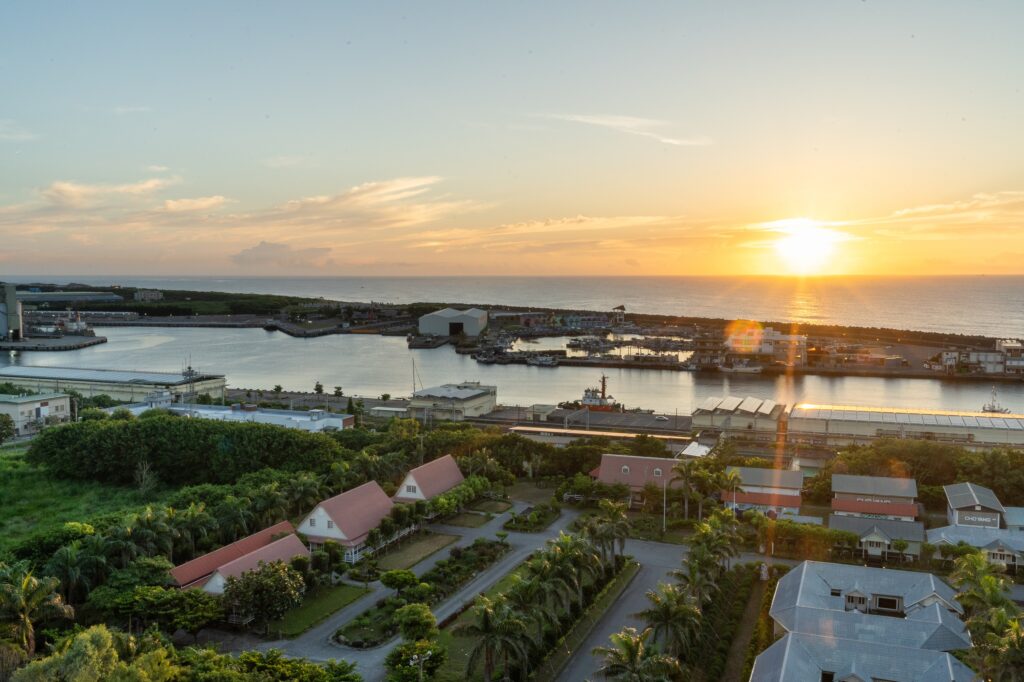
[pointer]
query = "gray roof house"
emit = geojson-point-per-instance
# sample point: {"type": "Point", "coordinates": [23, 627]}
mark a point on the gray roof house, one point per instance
{"type": "Point", "coordinates": [874, 485]}
{"type": "Point", "coordinates": [877, 535]}
{"type": "Point", "coordinates": [972, 496]}
{"type": "Point", "coordinates": [854, 623]}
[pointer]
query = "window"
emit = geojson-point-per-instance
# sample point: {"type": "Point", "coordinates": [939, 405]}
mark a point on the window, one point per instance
{"type": "Point", "coordinates": [835, 593]}
{"type": "Point", "coordinates": [312, 523]}
{"type": "Point", "coordinates": [330, 524]}
{"type": "Point", "coordinates": [625, 469]}
{"type": "Point", "coordinates": [410, 488]}
{"type": "Point", "coordinates": [887, 603]}
{"type": "Point", "coordinates": [657, 472]}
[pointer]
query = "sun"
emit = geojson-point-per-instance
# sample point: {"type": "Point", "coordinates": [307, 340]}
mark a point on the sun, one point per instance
{"type": "Point", "coordinates": [805, 247]}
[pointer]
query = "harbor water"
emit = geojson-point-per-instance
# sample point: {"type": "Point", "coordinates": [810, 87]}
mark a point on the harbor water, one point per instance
{"type": "Point", "coordinates": [370, 365]}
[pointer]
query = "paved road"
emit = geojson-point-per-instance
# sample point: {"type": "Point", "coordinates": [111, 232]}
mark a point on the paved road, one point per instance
{"type": "Point", "coordinates": [317, 644]}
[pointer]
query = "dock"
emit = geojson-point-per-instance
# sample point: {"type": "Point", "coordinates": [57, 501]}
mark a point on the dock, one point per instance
{"type": "Point", "coordinates": [53, 344]}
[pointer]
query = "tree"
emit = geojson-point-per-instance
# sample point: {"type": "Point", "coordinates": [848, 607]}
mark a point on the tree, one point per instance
{"type": "Point", "coordinates": [25, 599]}
{"type": "Point", "coordinates": [99, 654]}
{"type": "Point", "coordinates": [318, 388]}
{"type": "Point", "coordinates": [416, 621]}
{"type": "Point", "coordinates": [404, 662]}
{"type": "Point", "coordinates": [684, 472]}
{"type": "Point", "coordinates": [399, 580]}
{"type": "Point", "coordinates": [266, 593]}
{"type": "Point", "coordinates": [278, 389]}
{"type": "Point", "coordinates": [901, 547]}
{"type": "Point", "coordinates": [674, 618]}
{"type": "Point", "coordinates": [498, 633]}
{"type": "Point", "coordinates": [1004, 652]}
{"type": "Point", "coordinates": [6, 427]}
{"type": "Point", "coordinates": [614, 523]}
{"type": "Point", "coordinates": [529, 597]}
{"type": "Point", "coordinates": [338, 392]}
{"type": "Point", "coordinates": [629, 659]}
{"type": "Point", "coordinates": [76, 570]}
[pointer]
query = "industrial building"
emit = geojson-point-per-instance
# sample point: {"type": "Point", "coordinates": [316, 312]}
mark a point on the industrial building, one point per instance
{"type": "Point", "coordinates": [10, 315]}
{"type": "Point", "coordinates": [830, 426]}
{"type": "Point", "coordinates": [126, 386]}
{"type": "Point", "coordinates": [853, 623]}
{"type": "Point", "coordinates": [767, 343]}
{"type": "Point", "coordinates": [453, 402]}
{"type": "Point", "coordinates": [30, 413]}
{"type": "Point", "coordinates": [311, 420]}
{"type": "Point", "coordinates": [453, 322]}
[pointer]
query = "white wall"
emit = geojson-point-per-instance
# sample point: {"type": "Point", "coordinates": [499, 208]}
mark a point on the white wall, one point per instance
{"type": "Point", "coordinates": [321, 518]}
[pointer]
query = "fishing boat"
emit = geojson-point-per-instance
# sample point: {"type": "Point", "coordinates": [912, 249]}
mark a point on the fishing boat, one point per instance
{"type": "Point", "coordinates": [542, 361]}
{"type": "Point", "coordinates": [993, 406]}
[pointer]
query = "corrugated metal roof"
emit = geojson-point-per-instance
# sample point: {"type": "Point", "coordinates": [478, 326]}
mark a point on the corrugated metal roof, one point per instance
{"type": "Point", "coordinates": [115, 376]}
{"type": "Point", "coordinates": [710, 404]}
{"type": "Point", "coordinates": [750, 404]}
{"type": "Point", "coordinates": [34, 398]}
{"type": "Point", "coordinates": [978, 537]}
{"type": "Point", "coordinates": [874, 485]}
{"type": "Point", "coordinates": [911, 531]}
{"type": "Point", "coordinates": [729, 404]}
{"type": "Point", "coordinates": [450, 392]}
{"type": "Point", "coordinates": [961, 495]}
{"type": "Point", "coordinates": [775, 478]}
{"type": "Point", "coordinates": [932, 417]}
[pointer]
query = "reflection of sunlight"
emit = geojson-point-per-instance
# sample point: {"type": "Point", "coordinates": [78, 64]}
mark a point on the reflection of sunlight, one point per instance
{"type": "Point", "coordinates": [137, 343]}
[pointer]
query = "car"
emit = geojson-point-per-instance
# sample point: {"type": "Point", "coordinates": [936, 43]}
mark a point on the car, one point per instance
{"type": "Point", "coordinates": [661, 418]}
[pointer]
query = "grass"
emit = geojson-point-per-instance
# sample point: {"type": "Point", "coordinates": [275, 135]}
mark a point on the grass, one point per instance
{"type": "Point", "coordinates": [34, 501]}
{"type": "Point", "coordinates": [415, 551]}
{"type": "Point", "coordinates": [527, 491]}
{"type": "Point", "coordinates": [467, 520]}
{"type": "Point", "coordinates": [492, 506]}
{"type": "Point", "coordinates": [317, 605]}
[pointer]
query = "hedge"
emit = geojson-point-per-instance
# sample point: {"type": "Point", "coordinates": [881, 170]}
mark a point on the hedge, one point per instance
{"type": "Point", "coordinates": [764, 630]}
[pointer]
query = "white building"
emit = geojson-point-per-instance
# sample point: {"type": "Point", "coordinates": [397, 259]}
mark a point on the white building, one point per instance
{"type": "Point", "coordinates": [454, 402]}
{"type": "Point", "coordinates": [1013, 355]}
{"type": "Point", "coordinates": [752, 339]}
{"type": "Point", "coordinates": [118, 384]}
{"type": "Point", "coordinates": [10, 314]}
{"type": "Point", "coordinates": [429, 480]}
{"type": "Point", "coordinates": [311, 420]}
{"type": "Point", "coordinates": [452, 322]}
{"type": "Point", "coordinates": [32, 412]}
{"type": "Point", "coordinates": [348, 519]}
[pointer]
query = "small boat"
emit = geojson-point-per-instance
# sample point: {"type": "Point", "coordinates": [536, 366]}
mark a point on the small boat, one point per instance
{"type": "Point", "coordinates": [599, 399]}
{"type": "Point", "coordinates": [542, 361]}
{"type": "Point", "coordinates": [993, 406]}
{"type": "Point", "coordinates": [742, 367]}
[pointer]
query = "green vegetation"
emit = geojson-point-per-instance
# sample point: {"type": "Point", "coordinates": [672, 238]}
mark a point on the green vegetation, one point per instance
{"type": "Point", "coordinates": [764, 629]}
{"type": "Point", "coordinates": [534, 519]}
{"type": "Point", "coordinates": [316, 605]}
{"type": "Point", "coordinates": [35, 502]}
{"type": "Point", "coordinates": [415, 551]}
{"type": "Point", "coordinates": [492, 506]}
{"type": "Point", "coordinates": [466, 520]}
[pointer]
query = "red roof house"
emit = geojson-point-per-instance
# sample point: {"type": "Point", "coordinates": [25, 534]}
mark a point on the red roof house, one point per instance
{"type": "Point", "coordinates": [347, 519]}
{"type": "Point", "coordinates": [284, 549]}
{"type": "Point", "coordinates": [195, 573]}
{"type": "Point", "coordinates": [429, 480]}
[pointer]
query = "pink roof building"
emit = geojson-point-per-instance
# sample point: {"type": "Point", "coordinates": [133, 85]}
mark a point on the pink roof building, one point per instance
{"type": "Point", "coordinates": [347, 519]}
{"type": "Point", "coordinates": [429, 480]}
{"type": "Point", "coordinates": [195, 573]}
{"type": "Point", "coordinates": [285, 549]}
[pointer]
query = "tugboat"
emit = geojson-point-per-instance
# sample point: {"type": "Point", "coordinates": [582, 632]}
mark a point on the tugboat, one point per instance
{"type": "Point", "coordinates": [993, 406]}
{"type": "Point", "coordinates": [598, 399]}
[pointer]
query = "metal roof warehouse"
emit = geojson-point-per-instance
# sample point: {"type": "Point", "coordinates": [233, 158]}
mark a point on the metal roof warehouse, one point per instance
{"type": "Point", "coordinates": [118, 384]}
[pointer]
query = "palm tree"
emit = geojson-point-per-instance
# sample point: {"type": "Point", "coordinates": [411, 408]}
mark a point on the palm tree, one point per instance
{"type": "Point", "coordinates": [75, 568]}
{"type": "Point", "coordinates": [573, 556]}
{"type": "Point", "coordinates": [269, 504]}
{"type": "Point", "coordinates": [696, 576]}
{"type": "Point", "coordinates": [557, 590]}
{"type": "Point", "coordinates": [24, 599]}
{"type": "Point", "coordinates": [629, 659]}
{"type": "Point", "coordinates": [121, 541]}
{"type": "Point", "coordinates": [192, 524]}
{"type": "Point", "coordinates": [304, 492]}
{"type": "Point", "coordinates": [499, 634]}
{"type": "Point", "coordinates": [530, 599]}
{"type": "Point", "coordinates": [1004, 657]}
{"type": "Point", "coordinates": [234, 517]}
{"type": "Point", "coordinates": [730, 481]}
{"type": "Point", "coordinates": [615, 523]}
{"type": "Point", "coordinates": [673, 616]}
{"type": "Point", "coordinates": [152, 533]}
{"type": "Point", "coordinates": [684, 471]}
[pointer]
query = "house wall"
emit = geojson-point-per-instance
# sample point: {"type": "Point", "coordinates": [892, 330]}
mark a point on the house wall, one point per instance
{"type": "Point", "coordinates": [321, 527]}
{"type": "Point", "coordinates": [971, 517]}
{"type": "Point", "coordinates": [29, 416]}
{"type": "Point", "coordinates": [405, 493]}
{"type": "Point", "coordinates": [215, 585]}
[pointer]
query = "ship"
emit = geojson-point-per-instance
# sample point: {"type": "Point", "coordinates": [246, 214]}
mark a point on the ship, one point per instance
{"type": "Point", "coordinates": [741, 367]}
{"type": "Point", "coordinates": [598, 399]}
{"type": "Point", "coordinates": [993, 406]}
{"type": "Point", "coordinates": [542, 361]}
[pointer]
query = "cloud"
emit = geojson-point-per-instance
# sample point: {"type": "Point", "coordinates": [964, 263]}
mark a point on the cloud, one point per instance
{"type": "Point", "coordinates": [275, 254]}
{"type": "Point", "coordinates": [12, 132]}
{"type": "Point", "coordinates": [67, 193]}
{"type": "Point", "coordinates": [123, 111]}
{"type": "Point", "coordinates": [285, 161]}
{"type": "Point", "coordinates": [632, 125]}
{"type": "Point", "coordinates": [197, 204]}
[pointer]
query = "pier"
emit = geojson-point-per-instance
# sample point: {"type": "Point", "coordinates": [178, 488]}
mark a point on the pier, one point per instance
{"type": "Point", "coordinates": [53, 344]}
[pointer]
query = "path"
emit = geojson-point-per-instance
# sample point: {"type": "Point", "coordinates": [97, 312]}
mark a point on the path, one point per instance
{"type": "Point", "coordinates": [738, 651]}
{"type": "Point", "coordinates": [317, 643]}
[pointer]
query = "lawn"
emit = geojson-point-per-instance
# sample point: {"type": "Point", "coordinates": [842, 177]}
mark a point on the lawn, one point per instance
{"type": "Point", "coordinates": [467, 520]}
{"type": "Point", "coordinates": [32, 500]}
{"type": "Point", "coordinates": [316, 606]}
{"type": "Point", "coordinates": [492, 506]}
{"type": "Point", "coordinates": [415, 551]}
{"type": "Point", "coordinates": [527, 491]}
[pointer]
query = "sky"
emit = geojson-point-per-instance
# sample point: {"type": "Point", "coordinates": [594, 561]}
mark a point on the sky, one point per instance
{"type": "Point", "coordinates": [570, 138]}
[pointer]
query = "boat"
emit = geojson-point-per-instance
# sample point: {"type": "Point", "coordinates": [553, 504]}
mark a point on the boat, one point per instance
{"type": "Point", "coordinates": [598, 399]}
{"type": "Point", "coordinates": [742, 367]}
{"type": "Point", "coordinates": [993, 406]}
{"type": "Point", "coordinates": [542, 361]}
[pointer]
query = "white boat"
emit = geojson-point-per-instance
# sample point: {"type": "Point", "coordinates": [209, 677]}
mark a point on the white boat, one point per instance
{"type": "Point", "coordinates": [993, 406]}
{"type": "Point", "coordinates": [542, 361]}
{"type": "Point", "coordinates": [740, 368]}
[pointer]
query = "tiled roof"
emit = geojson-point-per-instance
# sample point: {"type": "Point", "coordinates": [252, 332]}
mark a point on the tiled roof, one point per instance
{"type": "Point", "coordinates": [874, 485]}
{"type": "Point", "coordinates": [358, 511]}
{"type": "Point", "coordinates": [640, 471]}
{"type": "Point", "coordinates": [888, 508]}
{"type": "Point", "coordinates": [201, 567]}
{"type": "Point", "coordinates": [434, 477]}
{"type": "Point", "coordinates": [285, 549]}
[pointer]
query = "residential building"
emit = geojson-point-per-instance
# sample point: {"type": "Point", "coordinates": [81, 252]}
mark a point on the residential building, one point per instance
{"type": "Point", "coordinates": [970, 504]}
{"type": "Point", "coordinates": [148, 295]}
{"type": "Point", "coordinates": [120, 385]}
{"type": "Point", "coordinates": [453, 402]}
{"type": "Point", "coordinates": [347, 519]}
{"type": "Point", "coordinates": [429, 480]}
{"type": "Point", "coordinates": [842, 623]}
{"type": "Point", "coordinates": [878, 535]}
{"type": "Point", "coordinates": [453, 322]}
{"type": "Point", "coordinates": [977, 518]}
{"type": "Point", "coordinates": [877, 497]}
{"type": "Point", "coordinates": [305, 420]}
{"type": "Point", "coordinates": [637, 473]}
{"type": "Point", "coordinates": [30, 413]}
{"type": "Point", "coordinates": [197, 572]}
{"type": "Point", "coordinates": [1013, 355]}
{"type": "Point", "coordinates": [284, 550]}
{"type": "Point", "coordinates": [772, 491]}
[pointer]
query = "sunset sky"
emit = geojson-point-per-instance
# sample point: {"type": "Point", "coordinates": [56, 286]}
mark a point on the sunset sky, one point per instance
{"type": "Point", "coordinates": [579, 138]}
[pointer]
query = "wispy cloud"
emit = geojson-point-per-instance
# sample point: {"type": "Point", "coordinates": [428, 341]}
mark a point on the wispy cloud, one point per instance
{"type": "Point", "coordinates": [197, 204]}
{"type": "Point", "coordinates": [632, 125]}
{"type": "Point", "coordinates": [67, 193]}
{"type": "Point", "coordinates": [284, 256]}
{"type": "Point", "coordinates": [10, 131]}
{"type": "Point", "coordinates": [126, 110]}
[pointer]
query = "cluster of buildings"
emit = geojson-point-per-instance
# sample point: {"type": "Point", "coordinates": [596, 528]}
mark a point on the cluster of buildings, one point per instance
{"type": "Point", "coordinates": [881, 511]}
{"type": "Point", "coordinates": [841, 623]}
{"type": "Point", "coordinates": [977, 518]}
{"type": "Point", "coordinates": [766, 422]}
{"type": "Point", "coordinates": [473, 321]}
{"type": "Point", "coordinates": [766, 344]}
{"type": "Point", "coordinates": [346, 519]}
{"type": "Point", "coordinates": [1007, 359]}
{"type": "Point", "coordinates": [121, 385]}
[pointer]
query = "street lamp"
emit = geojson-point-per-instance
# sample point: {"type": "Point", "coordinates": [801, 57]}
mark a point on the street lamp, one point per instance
{"type": "Point", "coordinates": [418, 660]}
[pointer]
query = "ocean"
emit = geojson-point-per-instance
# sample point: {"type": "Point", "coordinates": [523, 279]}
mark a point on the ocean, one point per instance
{"type": "Point", "coordinates": [990, 306]}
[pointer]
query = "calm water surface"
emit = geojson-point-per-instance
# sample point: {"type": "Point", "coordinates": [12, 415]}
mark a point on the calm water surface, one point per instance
{"type": "Point", "coordinates": [371, 365]}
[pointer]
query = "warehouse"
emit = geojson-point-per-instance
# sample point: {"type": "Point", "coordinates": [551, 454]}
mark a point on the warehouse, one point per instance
{"type": "Point", "coordinates": [452, 322]}
{"type": "Point", "coordinates": [32, 412]}
{"type": "Point", "coordinates": [748, 418]}
{"type": "Point", "coordinates": [120, 385]}
{"type": "Point", "coordinates": [453, 402]}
